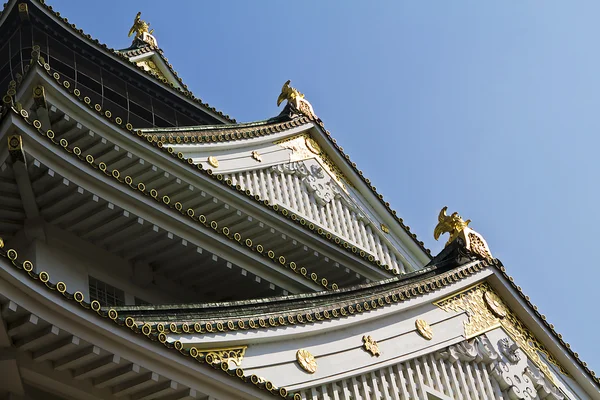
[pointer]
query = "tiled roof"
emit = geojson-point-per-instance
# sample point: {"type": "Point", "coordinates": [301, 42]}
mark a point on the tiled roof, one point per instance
{"type": "Point", "coordinates": [110, 51]}
{"type": "Point", "coordinates": [224, 133]}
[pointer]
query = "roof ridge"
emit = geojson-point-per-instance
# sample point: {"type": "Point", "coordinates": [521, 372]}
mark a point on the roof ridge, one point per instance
{"type": "Point", "coordinates": [273, 120]}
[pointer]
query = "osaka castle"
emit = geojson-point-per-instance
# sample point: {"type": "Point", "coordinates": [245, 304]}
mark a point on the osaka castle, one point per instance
{"type": "Point", "coordinates": [154, 248]}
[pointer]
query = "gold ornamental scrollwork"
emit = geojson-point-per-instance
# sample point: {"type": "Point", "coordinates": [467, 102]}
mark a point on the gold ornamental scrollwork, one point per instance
{"type": "Point", "coordinates": [371, 346]}
{"type": "Point", "coordinates": [424, 329]}
{"type": "Point", "coordinates": [306, 361]}
{"type": "Point", "coordinates": [233, 354]}
{"type": "Point", "coordinates": [477, 244]}
{"type": "Point", "coordinates": [486, 311]}
{"type": "Point", "coordinates": [150, 66]}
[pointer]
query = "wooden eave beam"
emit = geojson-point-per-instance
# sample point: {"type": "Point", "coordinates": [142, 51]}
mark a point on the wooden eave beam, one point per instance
{"type": "Point", "coordinates": [25, 190]}
{"type": "Point", "coordinates": [97, 368]}
{"type": "Point", "coordinates": [135, 385]}
{"type": "Point", "coordinates": [56, 381]}
{"type": "Point", "coordinates": [10, 376]}
{"type": "Point", "coordinates": [56, 349]}
{"type": "Point", "coordinates": [38, 338]}
{"type": "Point", "coordinates": [156, 391]}
{"type": "Point", "coordinates": [117, 376]}
{"type": "Point", "coordinates": [76, 359]}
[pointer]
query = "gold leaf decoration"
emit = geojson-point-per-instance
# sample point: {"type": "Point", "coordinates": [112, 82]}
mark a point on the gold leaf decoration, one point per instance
{"type": "Point", "coordinates": [307, 361]}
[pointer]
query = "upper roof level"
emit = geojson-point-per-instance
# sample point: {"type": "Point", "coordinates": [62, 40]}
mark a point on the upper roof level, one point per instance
{"type": "Point", "coordinates": [282, 182]}
{"type": "Point", "coordinates": [138, 80]}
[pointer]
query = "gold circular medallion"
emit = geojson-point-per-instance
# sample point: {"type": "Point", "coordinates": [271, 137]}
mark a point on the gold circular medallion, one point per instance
{"type": "Point", "coordinates": [424, 329]}
{"type": "Point", "coordinates": [494, 304]}
{"type": "Point", "coordinates": [312, 145]}
{"type": "Point", "coordinates": [306, 360]}
{"type": "Point", "coordinates": [212, 160]}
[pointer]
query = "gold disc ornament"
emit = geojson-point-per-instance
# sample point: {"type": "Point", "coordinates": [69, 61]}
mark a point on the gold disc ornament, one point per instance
{"type": "Point", "coordinates": [212, 160]}
{"type": "Point", "coordinates": [312, 145]}
{"type": "Point", "coordinates": [306, 360]}
{"type": "Point", "coordinates": [424, 329]}
{"type": "Point", "coordinates": [494, 304]}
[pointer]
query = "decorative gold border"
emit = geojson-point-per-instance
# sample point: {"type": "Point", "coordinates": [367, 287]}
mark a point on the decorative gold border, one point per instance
{"type": "Point", "coordinates": [481, 319]}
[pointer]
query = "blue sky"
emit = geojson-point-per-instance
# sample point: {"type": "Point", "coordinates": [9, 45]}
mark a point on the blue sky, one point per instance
{"type": "Point", "coordinates": [490, 108]}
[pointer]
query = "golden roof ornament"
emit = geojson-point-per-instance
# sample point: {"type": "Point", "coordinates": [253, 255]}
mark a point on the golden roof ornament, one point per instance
{"type": "Point", "coordinates": [457, 227]}
{"type": "Point", "coordinates": [296, 100]}
{"type": "Point", "coordinates": [452, 224]}
{"type": "Point", "coordinates": [142, 31]}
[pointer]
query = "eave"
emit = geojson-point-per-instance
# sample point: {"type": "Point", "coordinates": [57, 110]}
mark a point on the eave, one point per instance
{"type": "Point", "coordinates": [168, 159]}
{"type": "Point", "coordinates": [143, 204]}
{"type": "Point", "coordinates": [105, 349]}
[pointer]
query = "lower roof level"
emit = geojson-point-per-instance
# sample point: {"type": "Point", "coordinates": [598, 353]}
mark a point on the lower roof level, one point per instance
{"type": "Point", "coordinates": [409, 324]}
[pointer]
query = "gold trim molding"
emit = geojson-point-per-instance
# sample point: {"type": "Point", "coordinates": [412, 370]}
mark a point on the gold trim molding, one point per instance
{"type": "Point", "coordinates": [226, 354]}
{"type": "Point", "coordinates": [149, 66]}
{"type": "Point", "coordinates": [486, 311]}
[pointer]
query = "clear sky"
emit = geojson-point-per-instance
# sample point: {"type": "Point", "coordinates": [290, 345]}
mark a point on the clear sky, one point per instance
{"type": "Point", "coordinates": [491, 108]}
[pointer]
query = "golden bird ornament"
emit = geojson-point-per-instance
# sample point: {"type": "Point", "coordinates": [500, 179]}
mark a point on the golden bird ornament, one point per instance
{"type": "Point", "coordinates": [452, 224]}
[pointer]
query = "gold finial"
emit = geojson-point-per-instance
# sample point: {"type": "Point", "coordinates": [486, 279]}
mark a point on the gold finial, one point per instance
{"type": "Point", "coordinates": [452, 224]}
{"type": "Point", "coordinates": [288, 93]}
{"type": "Point", "coordinates": [295, 99]}
{"type": "Point", "coordinates": [455, 226]}
{"type": "Point", "coordinates": [142, 31]}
